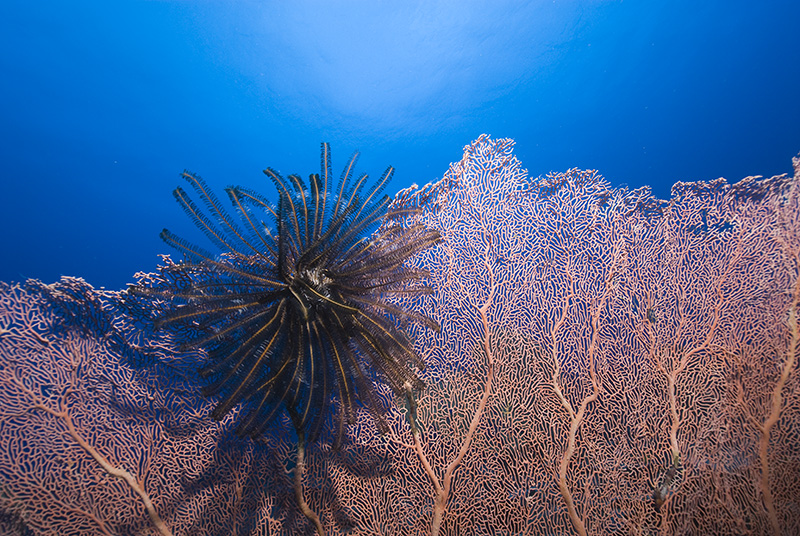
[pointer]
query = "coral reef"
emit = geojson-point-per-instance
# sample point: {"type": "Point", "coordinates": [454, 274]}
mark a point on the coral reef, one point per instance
{"type": "Point", "coordinates": [608, 363]}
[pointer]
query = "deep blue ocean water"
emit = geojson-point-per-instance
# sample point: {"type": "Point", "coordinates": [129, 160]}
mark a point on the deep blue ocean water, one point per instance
{"type": "Point", "coordinates": [103, 104]}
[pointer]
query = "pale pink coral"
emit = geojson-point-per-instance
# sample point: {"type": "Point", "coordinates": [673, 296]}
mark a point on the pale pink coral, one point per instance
{"type": "Point", "coordinates": [608, 363]}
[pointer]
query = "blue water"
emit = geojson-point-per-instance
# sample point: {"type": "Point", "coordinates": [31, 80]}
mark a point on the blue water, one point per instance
{"type": "Point", "coordinates": [102, 104]}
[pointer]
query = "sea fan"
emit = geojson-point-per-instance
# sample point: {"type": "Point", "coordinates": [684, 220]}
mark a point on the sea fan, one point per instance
{"type": "Point", "coordinates": [293, 312]}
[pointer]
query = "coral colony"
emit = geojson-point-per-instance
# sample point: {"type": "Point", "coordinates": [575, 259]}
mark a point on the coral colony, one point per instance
{"type": "Point", "coordinates": [607, 363]}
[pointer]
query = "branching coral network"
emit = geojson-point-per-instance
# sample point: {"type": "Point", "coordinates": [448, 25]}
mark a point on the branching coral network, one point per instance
{"type": "Point", "coordinates": [608, 363]}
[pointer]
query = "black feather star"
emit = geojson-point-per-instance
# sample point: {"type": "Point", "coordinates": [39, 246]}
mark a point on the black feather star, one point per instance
{"type": "Point", "coordinates": [293, 312]}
